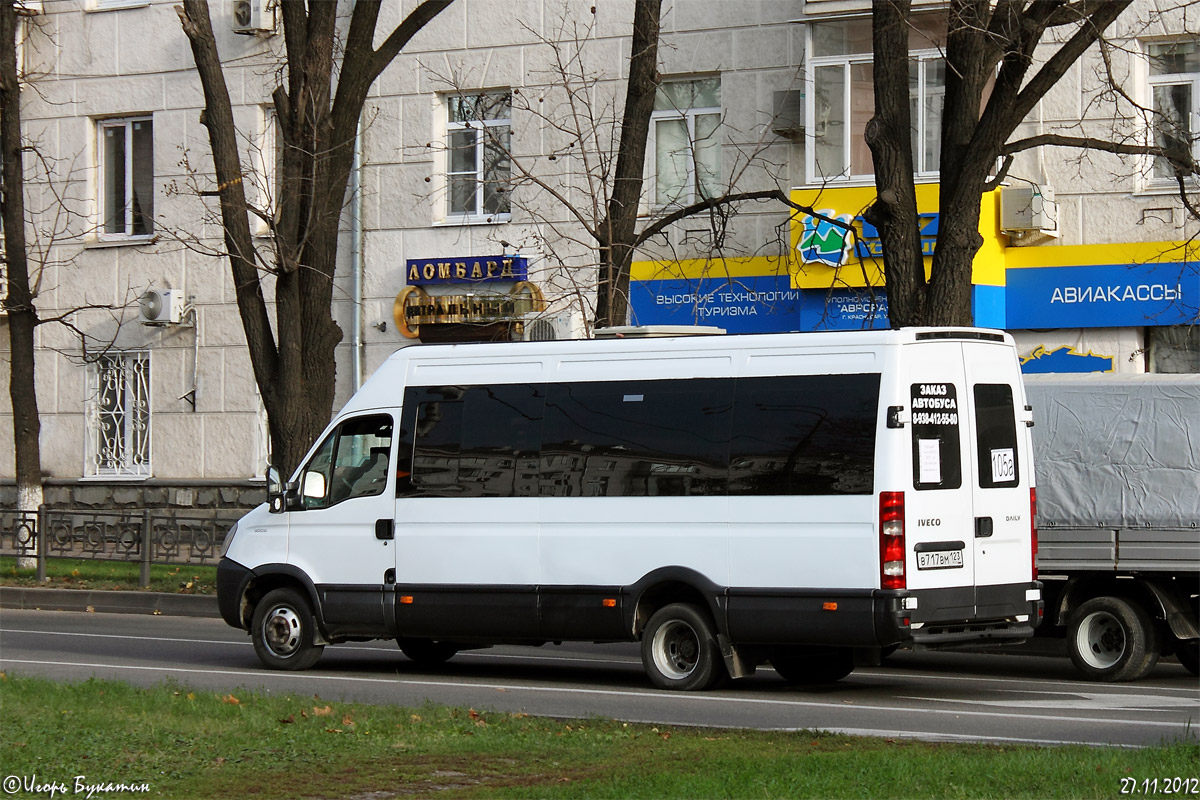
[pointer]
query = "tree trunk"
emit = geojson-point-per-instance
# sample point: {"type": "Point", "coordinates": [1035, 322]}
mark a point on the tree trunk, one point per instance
{"type": "Point", "coordinates": [22, 315]}
{"type": "Point", "coordinates": [293, 361]}
{"type": "Point", "coordinates": [888, 134]}
{"type": "Point", "coordinates": [618, 230]}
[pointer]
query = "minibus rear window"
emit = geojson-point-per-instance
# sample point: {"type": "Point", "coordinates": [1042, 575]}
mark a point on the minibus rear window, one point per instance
{"type": "Point", "coordinates": [996, 436]}
{"type": "Point", "coordinates": [936, 446]}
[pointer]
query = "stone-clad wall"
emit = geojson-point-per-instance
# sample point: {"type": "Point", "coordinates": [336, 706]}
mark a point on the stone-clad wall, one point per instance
{"type": "Point", "coordinates": [227, 498]}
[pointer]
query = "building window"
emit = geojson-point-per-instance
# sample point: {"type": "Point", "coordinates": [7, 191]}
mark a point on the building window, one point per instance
{"type": "Point", "coordinates": [687, 146]}
{"type": "Point", "coordinates": [118, 415]}
{"type": "Point", "coordinates": [840, 97]}
{"type": "Point", "coordinates": [478, 164]}
{"type": "Point", "coordinates": [1174, 348]}
{"type": "Point", "coordinates": [1175, 101]}
{"type": "Point", "coordinates": [126, 177]}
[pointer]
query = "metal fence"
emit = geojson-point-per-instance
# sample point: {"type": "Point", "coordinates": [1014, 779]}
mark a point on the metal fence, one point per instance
{"type": "Point", "coordinates": [142, 536]}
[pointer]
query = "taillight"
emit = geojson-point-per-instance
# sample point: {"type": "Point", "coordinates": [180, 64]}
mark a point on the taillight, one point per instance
{"type": "Point", "coordinates": [1033, 547]}
{"type": "Point", "coordinates": [891, 540]}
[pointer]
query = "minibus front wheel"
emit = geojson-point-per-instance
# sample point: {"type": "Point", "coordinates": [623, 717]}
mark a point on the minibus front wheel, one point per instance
{"type": "Point", "coordinates": [282, 630]}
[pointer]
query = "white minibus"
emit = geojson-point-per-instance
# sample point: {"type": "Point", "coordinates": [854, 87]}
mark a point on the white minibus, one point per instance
{"type": "Point", "coordinates": [806, 500]}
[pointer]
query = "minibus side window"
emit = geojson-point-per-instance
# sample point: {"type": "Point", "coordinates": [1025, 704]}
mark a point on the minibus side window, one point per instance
{"type": "Point", "coordinates": [936, 445]}
{"type": "Point", "coordinates": [351, 462]}
{"type": "Point", "coordinates": [996, 436]}
{"type": "Point", "coordinates": [804, 435]}
{"type": "Point", "coordinates": [501, 440]}
{"type": "Point", "coordinates": [435, 464]}
{"type": "Point", "coordinates": [636, 438]}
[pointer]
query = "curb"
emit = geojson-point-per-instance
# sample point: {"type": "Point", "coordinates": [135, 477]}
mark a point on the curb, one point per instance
{"type": "Point", "coordinates": [109, 602]}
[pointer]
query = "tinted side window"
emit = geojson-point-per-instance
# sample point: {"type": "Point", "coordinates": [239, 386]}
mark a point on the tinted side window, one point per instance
{"type": "Point", "coordinates": [430, 440]}
{"type": "Point", "coordinates": [636, 439]}
{"type": "Point", "coordinates": [937, 449]}
{"type": "Point", "coordinates": [804, 434]}
{"type": "Point", "coordinates": [996, 436]}
{"type": "Point", "coordinates": [501, 440]}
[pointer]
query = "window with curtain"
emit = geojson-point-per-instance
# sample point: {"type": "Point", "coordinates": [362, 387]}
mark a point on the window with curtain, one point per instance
{"type": "Point", "coordinates": [126, 154]}
{"type": "Point", "coordinates": [1175, 100]}
{"type": "Point", "coordinates": [478, 164]}
{"type": "Point", "coordinates": [685, 128]}
{"type": "Point", "coordinates": [840, 97]}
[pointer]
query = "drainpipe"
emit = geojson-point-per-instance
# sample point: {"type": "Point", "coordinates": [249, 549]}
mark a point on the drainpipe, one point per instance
{"type": "Point", "coordinates": [356, 259]}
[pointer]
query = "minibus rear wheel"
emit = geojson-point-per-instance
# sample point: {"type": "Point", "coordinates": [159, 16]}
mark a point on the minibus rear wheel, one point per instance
{"type": "Point", "coordinates": [426, 651]}
{"type": "Point", "coordinates": [808, 666]}
{"type": "Point", "coordinates": [680, 650]}
{"type": "Point", "coordinates": [282, 631]}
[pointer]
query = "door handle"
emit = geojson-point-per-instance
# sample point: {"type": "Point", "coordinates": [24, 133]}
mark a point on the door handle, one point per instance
{"type": "Point", "coordinates": [385, 529]}
{"type": "Point", "coordinates": [983, 527]}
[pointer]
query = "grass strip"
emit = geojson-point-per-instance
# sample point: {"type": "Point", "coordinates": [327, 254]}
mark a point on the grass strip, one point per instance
{"type": "Point", "coordinates": [86, 573]}
{"type": "Point", "coordinates": [186, 743]}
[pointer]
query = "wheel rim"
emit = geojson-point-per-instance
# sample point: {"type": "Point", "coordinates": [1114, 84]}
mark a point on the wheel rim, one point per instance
{"type": "Point", "coordinates": [281, 631]}
{"type": "Point", "coordinates": [1100, 640]}
{"type": "Point", "coordinates": [676, 649]}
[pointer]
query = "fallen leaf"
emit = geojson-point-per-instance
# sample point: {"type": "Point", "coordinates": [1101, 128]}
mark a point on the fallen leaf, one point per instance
{"type": "Point", "coordinates": [323, 712]}
{"type": "Point", "coordinates": [288, 720]}
{"type": "Point", "coordinates": [415, 718]}
{"type": "Point", "coordinates": [91, 609]}
{"type": "Point", "coordinates": [347, 720]}
{"type": "Point", "coordinates": [231, 700]}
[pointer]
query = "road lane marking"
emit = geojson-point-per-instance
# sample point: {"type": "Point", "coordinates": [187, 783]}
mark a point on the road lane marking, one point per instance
{"type": "Point", "coordinates": [875, 672]}
{"type": "Point", "coordinates": [677, 696]}
{"type": "Point", "coordinates": [1082, 701]}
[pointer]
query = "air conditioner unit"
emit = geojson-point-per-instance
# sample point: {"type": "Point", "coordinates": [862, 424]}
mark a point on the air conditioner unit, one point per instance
{"type": "Point", "coordinates": [788, 117]}
{"type": "Point", "coordinates": [1027, 209]}
{"type": "Point", "coordinates": [253, 17]}
{"type": "Point", "coordinates": [161, 307]}
{"type": "Point", "coordinates": [541, 328]}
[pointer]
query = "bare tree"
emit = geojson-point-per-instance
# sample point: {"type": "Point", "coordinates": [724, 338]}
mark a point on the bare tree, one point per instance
{"type": "Point", "coordinates": [18, 302]}
{"type": "Point", "coordinates": [993, 82]}
{"type": "Point", "coordinates": [584, 190]}
{"type": "Point", "coordinates": [327, 74]}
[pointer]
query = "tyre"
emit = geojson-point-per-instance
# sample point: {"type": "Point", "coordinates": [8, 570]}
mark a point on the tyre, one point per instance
{"type": "Point", "coordinates": [1188, 653]}
{"type": "Point", "coordinates": [427, 651]}
{"type": "Point", "coordinates": [282, 631]}
{"type": "Point", "coordinates": [1112, 639]}
{"type": "Point", "coordinates": [680, 650]}
{"type": "Point", "coordinates": [808, 666]}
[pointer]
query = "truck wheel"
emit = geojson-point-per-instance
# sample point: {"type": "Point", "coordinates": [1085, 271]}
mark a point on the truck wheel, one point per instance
{"type": "Point", "coordinates": [680, 650]}
{"type": "Point", "coordinates": [808, 666]}
{"type": "Point", "coordinates": [426, 651]}
{"type": "Point", "coordinates": [1188, 653]}
{"type": "Point", "coordinates": [282, 631]}
{"type": "Point", "coordinates": [1112, 639]}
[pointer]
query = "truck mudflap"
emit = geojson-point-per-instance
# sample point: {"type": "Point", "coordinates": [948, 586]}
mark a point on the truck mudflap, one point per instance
{"type": "Point", "coordinates": [971, 616]}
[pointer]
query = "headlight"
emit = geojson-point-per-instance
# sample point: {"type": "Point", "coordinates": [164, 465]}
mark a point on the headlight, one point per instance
{"type": "Point", "coordinates": [228, 540]}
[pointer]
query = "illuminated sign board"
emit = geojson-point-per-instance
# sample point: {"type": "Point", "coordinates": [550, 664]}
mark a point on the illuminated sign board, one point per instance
{"type": "Point", "coordinates": [465, 269]}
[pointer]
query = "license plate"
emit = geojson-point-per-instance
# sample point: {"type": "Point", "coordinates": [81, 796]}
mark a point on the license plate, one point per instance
{"type": "Point", "coordinates": [940, 559]}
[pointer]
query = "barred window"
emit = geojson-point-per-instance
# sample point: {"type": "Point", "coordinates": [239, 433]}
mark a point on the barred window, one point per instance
{"type": "Point", "coordinates": [118, 415]}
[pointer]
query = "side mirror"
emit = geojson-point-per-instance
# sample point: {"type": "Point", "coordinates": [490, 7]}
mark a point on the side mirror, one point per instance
{"type": "Point", "coordinates": [314, 485]}
{"type": "Point", "coordinates": [275, 490]}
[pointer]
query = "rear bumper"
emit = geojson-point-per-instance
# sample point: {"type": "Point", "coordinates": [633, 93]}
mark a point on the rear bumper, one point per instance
{"type": "Point", "coordinates": [970, 615]}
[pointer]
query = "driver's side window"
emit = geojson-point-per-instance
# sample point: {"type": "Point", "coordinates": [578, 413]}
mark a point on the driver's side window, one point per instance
{"type": "Point", "coordinates": [351, 462]}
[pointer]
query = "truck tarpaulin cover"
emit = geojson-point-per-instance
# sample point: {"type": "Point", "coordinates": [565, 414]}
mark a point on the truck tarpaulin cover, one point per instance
{"type": "Point", "coordinates": [1119, 451]}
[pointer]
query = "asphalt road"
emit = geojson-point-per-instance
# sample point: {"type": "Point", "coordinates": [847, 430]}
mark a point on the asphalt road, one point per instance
{"type": "Point", "coordinates": [934, 696]}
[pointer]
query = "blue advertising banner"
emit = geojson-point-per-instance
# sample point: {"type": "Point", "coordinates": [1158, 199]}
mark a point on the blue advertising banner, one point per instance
{"type": "Point", "coordinates": [1104, 296]}
{"type": "Point", "coordinates": [755, 304]}
{"type": "Point", "coordinates": [465, 269]}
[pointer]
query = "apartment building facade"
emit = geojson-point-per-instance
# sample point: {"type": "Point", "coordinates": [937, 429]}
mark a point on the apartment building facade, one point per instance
{"type": "Point", "coordinates": [484, 149]}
